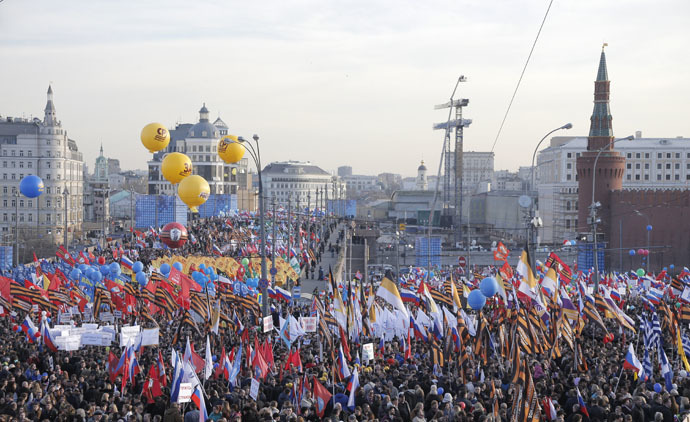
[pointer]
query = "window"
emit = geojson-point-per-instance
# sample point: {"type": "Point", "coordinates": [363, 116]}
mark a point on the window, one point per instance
{"type": "Point", "coordinates": [31, 217]}
{"type": "Point", "coordinates": [48, 203]}
{"type": "Point", "coordinates": [21, 164]}
{"type": "Point", "coordinates": [637, 155]}
{"type": "Point", "coordinates": [14, 176]}
{"type": "Point", "coordinates": [628, 166]}
{"type": "Point", "coordinates": [567, 224]}
{"type": "Point", "coordinates": [629, 155]}
{"type": "Point", "coordinates": [4, 203]}
{"type": "Point", "coordinates": [48, 176]}
{"type": "Point", "coordinates": [30, 203]}
{"type": "Point", "coordinates": [637, 177]}
{"type": "Point", "coordinates": [646, 155]}
{"type": "Point", "coordinates": [637, 166]}
{"type": "Point", "coordinates": [14, 203]}
{"type": "Point", "coordinates": [21, 203]}
{"type": "Point", "coordinates": [668, 166]}
{"type": "Point", "coordinates": [646, 177]}
{"type": "Point", "coordinates": [569, 166]}
{"type": "Point", "coordinates": [30, 164]}
{"type": "Point", "coordinates": [30, 153]}
{"type": "Point", "coordinates": [4, 217]}
{"type": "Point", "coordinates": [567, 206]}
{"type": "Point", "coordinates": [677, 166]}
{"type": "Point", "coordinates": [646, 166]}
{"type": "Point", "coordinates": [658, 166]}
{"type": "Point", "coordinates": [668, 155]}
{"type": "Point", "coordinates": [4, 189]}
{"type": "Point", "coordinates": [678, 155]}
{"type": "Point", "coordinates": [668, 177]}
{"type": "Point", "coordinates": [629, 177]}
{"type": "Point", "coordinates": [677, 177]}
{"type": "Point", "coordinates": [658, 155]}
{"type": "Point", "coordinates": [21, 152]}
{"type": "Point", "coordinates": [658, 177]}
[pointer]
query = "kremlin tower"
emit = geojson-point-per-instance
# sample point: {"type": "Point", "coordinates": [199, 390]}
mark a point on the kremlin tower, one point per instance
{"type": "Point", "coordinates": [610, 165]}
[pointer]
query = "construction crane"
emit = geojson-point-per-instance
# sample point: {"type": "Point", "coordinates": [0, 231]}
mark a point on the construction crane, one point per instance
{"type": "Point", "coordinates": [452, 174]}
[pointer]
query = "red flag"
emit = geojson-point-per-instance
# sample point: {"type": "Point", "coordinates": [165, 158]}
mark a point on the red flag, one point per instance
{"type": "Point", "coordinates": [185, 283]}
{"type": "Point", "coordinates": [112, 364]}
{"type": "Point", "coordinates": [152, 386]}
{"type": "Point", "coordinates": [268, 354]}
{"type": "Point", "coordinates": [35, 259]}
{"type": "Point", "coordinates": [343, 340]}
{"type": "Point", "coordinates": [321, 397]}
{"type": "Point", "coordinates": [160, 370]}
{"type": "Point", "coordinates": [408, 346]}
{"type": "Point", "coordinates": [259, 364]}
{"type": "Point", "coordinates": [501, 252]}
{"type": "Point", "coordinates": [197, 361]}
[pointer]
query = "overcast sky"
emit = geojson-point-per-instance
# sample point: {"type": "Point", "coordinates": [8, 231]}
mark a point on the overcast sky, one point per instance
{"type": "Point", "coordinates": [343, 82]}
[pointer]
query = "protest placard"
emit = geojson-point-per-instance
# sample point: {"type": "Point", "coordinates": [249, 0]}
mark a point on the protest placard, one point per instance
{"type": "Point", "coordinates": [185, 392]}
{"type": "Point", "coordinates": [368, 352]}
{"type": "Point", "coordinates": [129, 333]}
{"type": "Point", "coordinates": [268, 324]}
{"type": "Point", "coordinates": [308, 324]}
{"type": "Point", "coordinates": [254, 389]}
{"type": "Point", "coordinates": [149, 337]}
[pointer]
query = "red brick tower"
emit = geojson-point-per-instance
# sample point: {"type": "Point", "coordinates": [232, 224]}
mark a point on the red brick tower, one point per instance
{"type": "Point", "coordinates": [610, 165]}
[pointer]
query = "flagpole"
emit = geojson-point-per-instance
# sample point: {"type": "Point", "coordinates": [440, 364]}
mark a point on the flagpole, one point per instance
{"type": "Point", "coordinates": [617, 382]}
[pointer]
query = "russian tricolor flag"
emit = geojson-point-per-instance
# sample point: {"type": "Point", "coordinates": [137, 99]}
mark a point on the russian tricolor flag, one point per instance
{"type": "Point", "coordinates": [47, 339]}
{"type": "Point", "coordinates": [409, 296]}
{"type": "Point", "coordinates": [29, 329]}
{"type": "Point", "coordinates": [632, 362]}
{"type": "Point", "coordinates": [581, 402]}
{"type": "Point", "coordinates": [417, 330]}
{"type": "Point", "coordinates": [125, 262]}
{"type": "Point", "coordinates": [198, 399]}
{"type": "Point", "coordinates": [343, 369]}
{"type": "Point", "coordinates": [217, 251]}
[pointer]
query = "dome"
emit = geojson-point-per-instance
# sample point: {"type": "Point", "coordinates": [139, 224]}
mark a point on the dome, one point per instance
{"type": "Point", "coordinates": [203, 130]}
{"type": "Point", "coordinates": [421, 167]}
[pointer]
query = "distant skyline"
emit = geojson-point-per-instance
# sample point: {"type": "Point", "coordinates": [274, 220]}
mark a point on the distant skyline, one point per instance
{"type": "Point", "coordinates": [343, 83]}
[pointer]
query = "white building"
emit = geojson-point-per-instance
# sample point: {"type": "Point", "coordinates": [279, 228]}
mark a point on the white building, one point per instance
{"type": "Point", "coordinates": [40, 147]}
{"type": "Point", "coordinates": [357, 183]}
{"type": "Point", "coordinates": [300, 182]}
{"type": "Point", "coordinates": [651, 163]}
{"type": "Point", "coordinates": [200, 143]}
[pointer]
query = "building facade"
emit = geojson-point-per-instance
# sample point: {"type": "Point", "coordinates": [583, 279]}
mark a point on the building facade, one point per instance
{"type": "Point", "coordinates": [40, 147]}
{"type": "Point", "coordinates": [301, 183]}
{"type": "Point", "coordinates": [96, 193]}
{"type": "Point", "coordinates": [199, 142]}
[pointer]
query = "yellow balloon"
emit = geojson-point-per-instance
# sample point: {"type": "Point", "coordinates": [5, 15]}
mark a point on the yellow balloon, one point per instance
{"type": "Point", "coordinates": [230, 149]}
{"type": "Point", "coordinates": [175, 167]}
{"type": "Point", "coordinates": [194, 191]}
{"type": "Point", "coordinates": [155, 137]}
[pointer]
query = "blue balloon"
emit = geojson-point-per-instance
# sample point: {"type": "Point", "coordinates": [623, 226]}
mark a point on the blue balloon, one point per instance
{"type": "Point", "coordinates": [196, 276]}
{"type": "Point", "coordinates": [214, 358]}
{"type": "Point", "coordinates": [75, 274]}
{"type": "Point", "coordinates": [672, 266]}
{"type": "Point", "coordinates": [440, 391]}
{"type": "Point", "coordinates": [83, 268]}
{"type": "Point", "coordinates": [115, 269]}
{"type": "Point", "coordinates": [649, 227]}
{"type": "Point", "coordinates": [237, 287]}
{"type": "Point", "coordinates": [665, 269]}
{"type": "Point", "coordinates": [105, 270]}
{"type": "Point", "coordinates": [97, 276]}
{"type": "Point", "coordinates": [476, 300]}
{"type": "Point", "coordinates": [244, 290]}
{"type": "Point", "coordinates": [31, 186]}
{"type": "Point", "coordinates": [202, 267]}
{"type": "Point", "coordinates": [489, 286]}
{"type": "Point", "coordinates": [177, 266]}
{"type": "Point", "coordinates": [165, 269]}
{"type": "Point", "coordinates": [631, 252]}
{"type": "Point", "coordinates": [141, 279]}
{"type": "Point", "coordinates": [657, 387]}
{"type": "Point", "coordinates": [252, 282]}
{"type": "Point", "coordinates": [137, 267]}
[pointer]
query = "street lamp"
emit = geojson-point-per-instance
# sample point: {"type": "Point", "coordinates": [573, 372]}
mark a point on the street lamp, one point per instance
{"type": "Point", "coordinates": [16, 225]}
{"type": "Point", "coordinates": [535, 221]}
{"type": "Point", "coordinates": [255, 153]}
{"type": "Point", "coordinates": [649, 230]}
{"type": "Point", "coordinates": [595, 205]}
{"type": "Point", "coordinates": [65, 193]}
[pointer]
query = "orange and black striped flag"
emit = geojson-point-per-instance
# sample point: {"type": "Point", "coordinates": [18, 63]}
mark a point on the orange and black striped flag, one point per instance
{"type": "Point", "coordinates": [101, 298]}
{"type": "Point", "coordinates": [130, 290]}
{"type": "Point", "coordinates": [59, 296]}
{"type": "Point", "coordinates": [580, 362]}
{"type": "Point", "coordinates": [592, 313]}
{"type": "Point", "coordinates": [165, 301]}
{"type": "Point", "coordinates": [199, 305]}
{"type": "Point", "coordinates": [147, 294]}
{"type": "Point", "coordinates": [531, 410]}
{"type": "Point", "coordinates": [524, 333]}
{"type": "Point", "coordinates": [186, 322]}
{"type": "Point", "coordinates": [518, 367]}
{"type": "Point", "coordinates": [436, 354]}
{"type": "Point", "coordinates": [25, 293]}
{"type": "Point", "coordinates": [19, 303]}
{"type": "Point", "coordinates": [146, 314]}
{"type": "Point", "coordinates": [684, 314]}
{"type": "Point", "coordinates": [441, 298]}
{"type": "Point", "coordinates": [45, 304]}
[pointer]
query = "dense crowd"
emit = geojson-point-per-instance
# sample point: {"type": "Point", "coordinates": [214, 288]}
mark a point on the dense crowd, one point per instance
{"type": "Point", "coordinates": [405, 381]}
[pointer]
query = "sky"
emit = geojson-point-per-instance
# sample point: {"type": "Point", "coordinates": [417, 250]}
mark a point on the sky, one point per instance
{"type": "Point", "coordinates": [344, 82]}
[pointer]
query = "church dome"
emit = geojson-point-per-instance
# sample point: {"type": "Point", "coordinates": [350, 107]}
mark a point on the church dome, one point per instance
{"type": "Point", "coordinates": [421, 167]}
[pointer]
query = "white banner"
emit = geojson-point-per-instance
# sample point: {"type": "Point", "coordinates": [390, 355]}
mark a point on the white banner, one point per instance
{"type": "Point", "coordinates": [106, 317]}
{"type": "Point", "coordinates": [185, 392]}
{"type": "Point", "coordinates": [254, 389]}
{"type": "Point", "coordinates": [268, 324]}
{"type": "Point", "coordinates": [150, 337]}
{"type": "Point", "coordinates": [368, 352]}
{"type": "Point", "coordinates": [95, 338]}
{"type": "Point", "coordinates": [308, 324]}
{"type": "Point", "coordinates": [128, 333]}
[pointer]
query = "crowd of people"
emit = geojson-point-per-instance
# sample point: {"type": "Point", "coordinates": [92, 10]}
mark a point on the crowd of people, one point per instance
{"type": "Point", "coordinates": [408, 378]}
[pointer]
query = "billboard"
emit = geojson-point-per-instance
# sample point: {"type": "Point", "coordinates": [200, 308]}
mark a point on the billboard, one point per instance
{"type": "Point", "coordinates": [585, 256]}
{"type": "Point", "coordinates": [425, 251]}
{"type": "Point", "coordinates": [158, 210]}
{"type": "Point", "coordinates": [342, 207]}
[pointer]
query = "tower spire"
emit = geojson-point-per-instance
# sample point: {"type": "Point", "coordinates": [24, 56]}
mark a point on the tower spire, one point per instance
{"type": "Point", "coordinates": [601, 127]}
{"type": "Point", "coordinates": [49, 117]}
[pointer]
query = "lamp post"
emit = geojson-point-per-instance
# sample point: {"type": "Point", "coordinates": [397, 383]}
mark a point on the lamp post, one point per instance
{"type": "Point", "coordinates": [255, 153]}
{"type": "Point", "coordinates": [649, 230]}
{"type": "Point", "coordinates": [534, 215]}
{"type": "Point", "coordinates": [593, 210]}
{"type": "Point", "coordinates": [16, 226]}
{"type": "Point", "coordinates": [65, 193]}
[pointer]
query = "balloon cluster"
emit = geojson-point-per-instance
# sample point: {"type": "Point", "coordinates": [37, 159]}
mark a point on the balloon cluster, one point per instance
{"type": "Point", "coordinates": [176, 167]}
{"type": "Point", "coordinates": [95, 273]}
{"type": "Point", "coordinates": [487, 288]}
